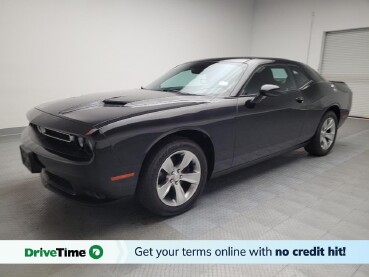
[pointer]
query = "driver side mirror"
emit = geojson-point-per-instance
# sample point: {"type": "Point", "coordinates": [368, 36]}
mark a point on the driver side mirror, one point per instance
{"type": "Point", "coordinates": [265, 91]}
{"type": "Point", "coordinates": [270, 90]}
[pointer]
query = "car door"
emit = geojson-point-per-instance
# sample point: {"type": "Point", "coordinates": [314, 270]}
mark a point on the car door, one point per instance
{"type": "Point", "coordinates": [272, 125]}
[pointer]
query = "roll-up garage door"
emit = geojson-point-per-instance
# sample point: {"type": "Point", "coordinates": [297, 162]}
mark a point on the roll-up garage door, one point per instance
{"type": "Point", "coordinates": [346, 58]}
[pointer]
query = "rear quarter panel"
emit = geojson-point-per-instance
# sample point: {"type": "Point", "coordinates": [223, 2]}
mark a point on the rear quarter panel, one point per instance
{"type": "Point", "coordinates": [320, 97]}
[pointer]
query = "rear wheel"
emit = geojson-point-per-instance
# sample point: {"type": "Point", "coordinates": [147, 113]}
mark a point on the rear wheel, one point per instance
{"type": "Point", "coordinates": [323, 140]}
{"type": "Point", "coordinates": [173, 177]}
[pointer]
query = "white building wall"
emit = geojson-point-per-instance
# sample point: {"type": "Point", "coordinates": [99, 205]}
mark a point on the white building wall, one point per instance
{"type": "Point", "coordinates": [52, 49]}
{"type": "Point", "coordinates": [57, 49]}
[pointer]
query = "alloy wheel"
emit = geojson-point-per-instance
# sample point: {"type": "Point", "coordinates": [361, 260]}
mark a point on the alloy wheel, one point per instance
{"type": "Point", "coordinates": [178, 178]}
{"type": "Point", "coordinates": [327, 133]}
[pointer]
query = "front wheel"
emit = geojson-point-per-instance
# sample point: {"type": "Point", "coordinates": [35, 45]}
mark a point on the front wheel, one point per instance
{"type": "Point", "coordinates": [173, 177]}
{"type": "Point", "coordinates": [325, 136]}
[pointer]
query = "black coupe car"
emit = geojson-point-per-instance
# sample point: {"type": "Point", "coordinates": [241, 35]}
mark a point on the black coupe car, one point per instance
{"type": "Point", "coordinates": [163, 142]}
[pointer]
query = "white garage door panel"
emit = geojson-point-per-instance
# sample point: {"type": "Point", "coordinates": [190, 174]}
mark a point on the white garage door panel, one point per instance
{"type": "Point", "coordinates": [361, 91]}
{"type": "Point", "coordinates": [346, 58]}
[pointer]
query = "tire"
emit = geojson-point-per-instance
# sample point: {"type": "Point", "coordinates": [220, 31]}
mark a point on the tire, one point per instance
{"type": "Point", "coordinates": [165, 172]}
{"type": "Point", "coordinates": [324, 138]}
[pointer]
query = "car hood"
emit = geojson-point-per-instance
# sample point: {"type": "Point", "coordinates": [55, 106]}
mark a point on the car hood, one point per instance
{"type": "Point", "coordinates": [103, 108]}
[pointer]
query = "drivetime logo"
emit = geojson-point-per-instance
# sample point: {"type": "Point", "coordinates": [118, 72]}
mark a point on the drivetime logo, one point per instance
{"type": "Point", "coordinates": [95, 252]}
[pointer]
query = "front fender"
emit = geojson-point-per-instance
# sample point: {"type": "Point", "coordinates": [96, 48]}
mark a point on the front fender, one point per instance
{"type": "Point", "coordinates": [132, 139]}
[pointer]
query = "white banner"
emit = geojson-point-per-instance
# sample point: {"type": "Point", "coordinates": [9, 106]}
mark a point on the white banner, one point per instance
{"type": "Point", "coordinates": [184, 252]}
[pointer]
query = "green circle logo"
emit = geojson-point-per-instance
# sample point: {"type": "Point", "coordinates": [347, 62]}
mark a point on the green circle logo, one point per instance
{"type": "Point", "coordinates": [96, 252]}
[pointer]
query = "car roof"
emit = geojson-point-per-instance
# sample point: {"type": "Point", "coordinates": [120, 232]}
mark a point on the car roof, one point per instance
{"type": "Point", "coordinates": [245, 59]}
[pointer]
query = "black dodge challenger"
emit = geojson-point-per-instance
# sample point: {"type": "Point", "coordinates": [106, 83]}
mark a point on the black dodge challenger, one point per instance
{"type": "Point", "coordinates": [163, 142]}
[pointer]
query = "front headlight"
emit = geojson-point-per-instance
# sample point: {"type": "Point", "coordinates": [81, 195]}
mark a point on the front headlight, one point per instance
{"type": "Point", "coordinates": [42, 130]}
{"type": "Point", "coordinates": [84, 143]}
{"type": "Point", "coordinates": [81, 142]}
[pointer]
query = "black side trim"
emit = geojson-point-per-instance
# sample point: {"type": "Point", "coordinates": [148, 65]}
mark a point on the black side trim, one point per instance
{"type": "Point", "coordinates": [250, 163]}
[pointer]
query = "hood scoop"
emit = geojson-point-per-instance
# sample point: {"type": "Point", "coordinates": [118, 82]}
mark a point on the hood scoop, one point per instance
{"type": "Point", "coordinates": [116, 101]}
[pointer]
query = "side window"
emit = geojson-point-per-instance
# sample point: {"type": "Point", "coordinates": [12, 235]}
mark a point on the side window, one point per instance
{"type": "Point", "coordinates": [301, 78]}
{"type": "Point", "coordinates": [272, 75]}
{"type": "Point", "coordinates": [279, 74]}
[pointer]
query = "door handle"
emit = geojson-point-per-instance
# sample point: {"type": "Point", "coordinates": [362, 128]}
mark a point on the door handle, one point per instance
{"type": "Point", "coordinates": [300, 99]}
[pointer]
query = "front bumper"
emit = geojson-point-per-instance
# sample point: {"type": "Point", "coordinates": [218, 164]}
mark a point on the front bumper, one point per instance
{"type": "Point", "coordinates": [82, 180]}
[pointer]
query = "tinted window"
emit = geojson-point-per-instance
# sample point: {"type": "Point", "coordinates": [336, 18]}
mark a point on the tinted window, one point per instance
{"type": "Point", "coordinates": [301, 78]}
{"type": "Point", "coordinates": [273, 75]}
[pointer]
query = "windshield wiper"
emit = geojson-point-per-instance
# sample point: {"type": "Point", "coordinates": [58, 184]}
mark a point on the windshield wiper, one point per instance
{"type": "Point", "coordinates": [170, 90]}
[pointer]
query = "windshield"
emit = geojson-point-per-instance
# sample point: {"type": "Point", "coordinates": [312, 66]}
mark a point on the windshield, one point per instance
{"type": "Point", "coordinates": [201, 78]}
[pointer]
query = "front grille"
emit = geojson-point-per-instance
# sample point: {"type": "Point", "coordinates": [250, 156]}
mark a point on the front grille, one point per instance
{"type": "Point", "coordinates": [59, 143]}
{"type": "Point", "coordinates": [55, 134]}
